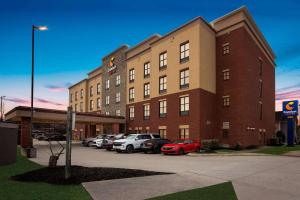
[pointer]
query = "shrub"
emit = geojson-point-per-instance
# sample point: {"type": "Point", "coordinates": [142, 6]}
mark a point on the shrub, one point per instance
{"type": "Point", "coordinates": [281, 137]}
{"type": "Point", "coordinates": [211, 144]}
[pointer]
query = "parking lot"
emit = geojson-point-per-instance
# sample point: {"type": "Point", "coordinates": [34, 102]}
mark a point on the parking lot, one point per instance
{"type": "Point", "coordinates": [254, 177]}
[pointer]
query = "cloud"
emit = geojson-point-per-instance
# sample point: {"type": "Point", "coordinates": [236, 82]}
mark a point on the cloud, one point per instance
{"type": "Point", "coordinates": [17, 100]}
{"type": "Point", "coordinates": [36, 100]}
{"type": "Point", "coordinates": [288, 95]}
{"type": "Point", "coordinates": [40, 100]}
{"type": "Point", "coordinates": [58, 88]}
{"type": "Point", "coordinates": [295, 86]}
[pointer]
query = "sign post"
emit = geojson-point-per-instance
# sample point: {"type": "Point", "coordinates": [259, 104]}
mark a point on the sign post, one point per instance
{"type": "Point", "coordinates": [290, 110]}
{"type": "Point", "coordinates": [70, 127]}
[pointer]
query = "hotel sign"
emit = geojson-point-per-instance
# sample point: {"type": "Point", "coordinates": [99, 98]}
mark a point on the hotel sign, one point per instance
{"type": "Point", "coordinates": [112, 68]}
{"type": "Point", "coordinates": [290, 108]}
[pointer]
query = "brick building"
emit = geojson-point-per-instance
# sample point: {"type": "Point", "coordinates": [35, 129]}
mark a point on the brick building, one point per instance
{"type": "Point", "coordinates": [202, 80]}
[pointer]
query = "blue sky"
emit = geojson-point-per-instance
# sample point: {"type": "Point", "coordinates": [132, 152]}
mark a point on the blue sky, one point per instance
{"type": "Point", "coordinates": [82, 32]}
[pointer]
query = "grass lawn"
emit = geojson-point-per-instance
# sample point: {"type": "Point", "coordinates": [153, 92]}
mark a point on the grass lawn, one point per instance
{"type": "Point", "coordinates": [34, 191]}
{"type": "Point", "coordinates": [279, 150]}
{"type": "Point", "coordinates": [223, 191]}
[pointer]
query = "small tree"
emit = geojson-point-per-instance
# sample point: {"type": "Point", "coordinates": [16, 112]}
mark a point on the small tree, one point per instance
{"type": "Point", "coordinates": [55, 154]}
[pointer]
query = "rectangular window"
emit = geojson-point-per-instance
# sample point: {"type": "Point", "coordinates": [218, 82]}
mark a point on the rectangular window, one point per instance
{"type": "Point", "coordinates": [91, 105]}
{"type": "Point", "coordinates": [75, 108]}
{"type": "Point", "coordinates": [226, 48]}
{"type": "Point", "coordinates": [162, 84]}
{"type": "Point", "coordinates": [118, 112]}
{"type": "Point", "coordinates": [184, 51]}
{"type": "Point", "coordinates": [71, 98]}
{"type": "Point", "coordinates": [131, 75]}
{"type": "Point", "coordinates": [76, 96]}
{"type": "Point", "coordinates": [260, 110]}
{"type": "Point", "coordinates": [146, 90]}
{"type": "Point", "coordinates": [163, 60]}
{"type": "Point", "coordinates": [98, 103]}
{"type": "Point", "coordinates": [162, 108]}
{"type": "Point", "coordinates": [91, 91]}
{"type": "Point", "coordinates": [163, 133]}
{"type": "Point", "coordinates": [226, 74]}
{"type": "Point", "coordinates": [81, 106]}
{"type": "Point", "coordinates": [118, 80]}
{"type": "Point", "coordinates": [107, 84]}
{"type": "Point", "coordinates": [184, 78]}
{"type": "Point", "coordinates": [81, 93]}
{"type": "Point", "coordinates": [107, 100]}
{"type": "Point", "coordinates": [146, 69]}
{"type": "Point", "coordinates": [146, 111]}
{"type": "Point", "coordinates": [131, 113]}
{"type": "Point", "coordinates": [107, 113]}
{"type": "Point", "coordinates": [184, 133]}
{"type": "Point", "coordinates": [260, 88]}
{"type": "Point", "coordinates": [131, 94]}
{"type": "Point", "coordinates": [118, 97]}
{"type": "Point", "coordinates": [260, 67]}
{"type": "Point", "coordinates": [184, 105]}
{"type": "Point", "coordinates": [98, 88]}
{"type": "Point", "coordinates": [226, 101]}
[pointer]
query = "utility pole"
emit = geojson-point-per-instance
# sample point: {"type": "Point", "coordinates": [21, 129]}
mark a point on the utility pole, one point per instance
{"type": "Point", "coordinates": [70, 128]}
{"type": "Point", "coordinates": [2, 108]}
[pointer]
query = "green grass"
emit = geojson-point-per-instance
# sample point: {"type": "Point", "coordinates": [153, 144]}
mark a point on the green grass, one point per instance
{"type": "Point", "coordinates": [35, 191]}
{"type": "Point", "coordinates": [223, 191]}
{"type": "Point", "coordinates": [279, 150]}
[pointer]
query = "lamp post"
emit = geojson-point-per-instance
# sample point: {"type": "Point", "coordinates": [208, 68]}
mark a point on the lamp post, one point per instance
{"type": "Point", "coordinates": [2, 108]}
{"type": "Point", "coordinates": [40, 28]}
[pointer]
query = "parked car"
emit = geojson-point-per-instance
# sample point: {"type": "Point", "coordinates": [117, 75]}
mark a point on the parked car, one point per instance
{"type": "Point", "coordinates": [108, 143]}
{"type": "Point", "coordinates": [89, 141]}
{"type": "Point", "coordinates": [56, 137]}
{"type": "Point", "coordinates": [99, 141]}
{"type": "Point", "coordinates": [154, 145]}
{"type": "Point", "coordinates": [182, 146]}
{"type": "Point", "coordinates": [132, 142]}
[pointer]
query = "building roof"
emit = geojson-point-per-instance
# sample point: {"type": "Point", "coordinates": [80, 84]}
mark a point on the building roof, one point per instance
{"type": "Point", "coordinates": [77, 83]}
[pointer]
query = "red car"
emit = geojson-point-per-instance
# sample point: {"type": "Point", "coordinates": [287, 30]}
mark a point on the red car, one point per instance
{"type": "Point", "coordinates": [182, 146]}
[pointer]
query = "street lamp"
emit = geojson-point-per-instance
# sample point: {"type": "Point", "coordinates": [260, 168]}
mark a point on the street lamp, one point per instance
{"type": "Point", "coordinates": [40, 28]}
{"type": "Point", "coordinates": [2, 108]}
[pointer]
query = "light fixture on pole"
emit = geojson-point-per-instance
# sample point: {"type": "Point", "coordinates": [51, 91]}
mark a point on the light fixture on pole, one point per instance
{"type": "Point", "coordinates": [2, 108]}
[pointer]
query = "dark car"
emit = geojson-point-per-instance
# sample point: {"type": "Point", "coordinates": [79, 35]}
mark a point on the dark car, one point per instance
{"type": "Point", "coordinates": [153, 145]}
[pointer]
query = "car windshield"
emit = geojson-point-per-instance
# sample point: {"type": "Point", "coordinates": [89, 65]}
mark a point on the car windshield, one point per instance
{"type": "Point", "coordinates": [178, 141]}
{"type": "Point", "coordinates": [156, 136]}
{"type": "Point", "coordinates": [130, 137]}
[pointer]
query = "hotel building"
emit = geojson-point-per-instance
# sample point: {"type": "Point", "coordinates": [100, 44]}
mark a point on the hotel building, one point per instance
{"type": "Point", "coordinates": [202, 80]}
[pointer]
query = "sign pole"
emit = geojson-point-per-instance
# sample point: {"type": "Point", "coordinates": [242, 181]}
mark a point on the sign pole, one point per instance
{"type": "Point", "coordinates": [290, 133]}
{"type": "Point", "coordinates": [290, 111]}
{"type": "Point", "coordinates": [68, 143]}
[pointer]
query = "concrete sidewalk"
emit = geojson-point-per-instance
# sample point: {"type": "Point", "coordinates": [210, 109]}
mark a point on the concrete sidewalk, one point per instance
{"type": "Point", "coordinates": [147, 187]}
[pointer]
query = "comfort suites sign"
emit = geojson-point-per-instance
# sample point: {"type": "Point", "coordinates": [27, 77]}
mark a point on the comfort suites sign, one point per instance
{"type": "Point", "coordinates": [112, 68]}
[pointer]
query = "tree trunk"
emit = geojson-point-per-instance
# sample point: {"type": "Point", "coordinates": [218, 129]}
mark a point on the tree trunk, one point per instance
{"type": "Point", "coordinates": [53, 161]}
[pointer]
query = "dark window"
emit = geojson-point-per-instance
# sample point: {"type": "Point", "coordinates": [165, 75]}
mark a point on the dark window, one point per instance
{"type": "Point", "coordinates": [260, 88]}
{"type": "Point", "coordinates": [131, 94]}
{"type": "Point", "coordinates": [91, 91]}
{"type": "Point", "coordinates": [260, 67]}
{"type": "Point", "coordinates": [260, 110]}
{"type": "Point", "coordinates": [98, 88]}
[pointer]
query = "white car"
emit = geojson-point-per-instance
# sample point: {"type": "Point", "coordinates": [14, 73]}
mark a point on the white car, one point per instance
{"type": "Point", "coordinates": [98, 142]}
{"type": "Point", "coordinates": [132, 142]}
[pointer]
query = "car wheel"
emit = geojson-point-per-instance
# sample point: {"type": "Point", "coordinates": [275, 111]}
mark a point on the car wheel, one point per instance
{"type": "Point", "coordinates": [197, 150]}
{"type": "Point", "coordinates": [181, 152]}
{"type": "Point", "coordinates": [89, 144]}
{"type": "Point", "coordinates": [129, 148]}
{"type": "Point", "coordinates": [118, 151]}
{"type": "Point", "coordinates": [156, 149]}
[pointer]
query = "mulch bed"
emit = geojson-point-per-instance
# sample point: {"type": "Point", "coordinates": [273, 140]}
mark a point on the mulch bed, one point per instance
{"type": "Point", "coordinates": [80, 174]}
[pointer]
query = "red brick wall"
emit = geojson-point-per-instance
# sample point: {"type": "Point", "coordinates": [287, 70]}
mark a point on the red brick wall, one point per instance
{"type": "Point", "coordinates": [243, 88]}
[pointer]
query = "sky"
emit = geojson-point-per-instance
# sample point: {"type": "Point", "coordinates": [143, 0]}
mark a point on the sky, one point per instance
{"type": "Point", "coordinates": [82, 32]}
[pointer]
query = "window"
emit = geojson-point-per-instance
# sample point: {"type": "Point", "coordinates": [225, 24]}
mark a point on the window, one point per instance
{"type": "Point", "coordinates": [81, 93]}
{"type": "Point", "coordinates": [98, 88]}
{"type": "Point", "coordinates": [91, 105]}
{"type": "Point", "coordinates": [118, 80]}
{"type": "Point", "coordinates": [131, 94]}
{"type": "Point", "coordinates": [163, 60]}
{"type": "Point", "coordinates": [260, 110]}
{"type": "Point", "coordinates": [71, 98]}
{"type": "Point", "coordinates": [131, 113]}
{"type": "Point", "coordinates": [118, 112]}
{"type": "Point", "coordinates": [162, 84]}
{"type": "Point", "coordinates": [184, 105]}
{"type": "Point", "coordinates": [131, 75]}
{"type": "Point", "coordinates": [226, 101]}
{"type": "Point", "coordinates": [226, 74]}
{"type": "Point", "coordinates": [76, 96]}
{"type": "Point", "coordinates": [146, 69]}
{"type": "Point", "coordinates": [184, 133]}
{"type": "Point", "coordinates": [75, 107]}
{"type": "Point", "coordinates": [107, 84]}
{"type": "Point", "coordinates": [107, 113]}
{"type": "Point", "coordinates": [118, 97]}
{"type": "Point", "coordinates": [260, 67]}
{"type": "Point", "coordinates": [146, 90]}
{"type": "Point", "coordinates": [107, 100]}
{"type": "Point", "coordinates": [226, 48]}
{"type": "Point", "coordinates": [260, 88]}
{"type": "Point", "coordinates": [184, 51]}
{"type": "Point", "coordinates": [146, 111]}
{"type": "Point", "coordinates": [98, 103]}
{"type": "Point", "coordinates": [91, 91]}
{"type": "Point", "coordinates": [81, 106]}
{"type": "Point", "coordinates": [162, 108]}
{"type": "Point", "coordinates": [184, 78]}
{"type": "Point", "coordinates": [162, 133]}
